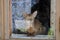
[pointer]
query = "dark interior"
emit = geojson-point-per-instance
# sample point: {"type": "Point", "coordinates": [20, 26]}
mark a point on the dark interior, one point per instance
{"type": "Point", "coordinates": [43, 8]}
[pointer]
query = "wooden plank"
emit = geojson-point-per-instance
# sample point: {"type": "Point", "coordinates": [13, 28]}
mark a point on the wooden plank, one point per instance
{"type": "Point", "coordinates": [57, 18]}
{"type": "Point", "coordinates": [6, 18]}
{"type": "Point", "coordinates": [0, 20]}
{"type": "Point", "coordinates": [10, 17]}
{"type": "Point", "coordinates": [3, 19]}
{"type": "Point", "coordinates": [53, 16]}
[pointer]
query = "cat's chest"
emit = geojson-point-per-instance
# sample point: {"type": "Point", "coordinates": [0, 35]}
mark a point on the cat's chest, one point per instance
{"type": "Point", "coordinates": [29, 23]}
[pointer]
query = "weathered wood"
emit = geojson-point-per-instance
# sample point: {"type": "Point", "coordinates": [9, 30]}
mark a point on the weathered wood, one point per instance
{"type": "Point", "coordinates": [6, 20]}
{"type": "Point", "coordinates": [0, 20]}
{"type": "Point", "coordinates": [57, 18]}
{"type": "Point", "coordinates": [10, 17]}
{"type": "Point", "coordinates": [3, 19]}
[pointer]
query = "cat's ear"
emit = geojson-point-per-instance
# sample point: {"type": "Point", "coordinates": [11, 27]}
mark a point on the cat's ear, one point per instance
{"type": "Point", "coordinates": [34, 14]}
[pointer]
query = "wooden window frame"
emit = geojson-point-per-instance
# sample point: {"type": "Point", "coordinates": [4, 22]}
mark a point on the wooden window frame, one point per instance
{"type": "Point", "coordinates": [7, 18]}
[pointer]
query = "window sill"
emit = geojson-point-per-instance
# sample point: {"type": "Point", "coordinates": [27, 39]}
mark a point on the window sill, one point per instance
{"type": "Point", "coordinates": [23, 36]}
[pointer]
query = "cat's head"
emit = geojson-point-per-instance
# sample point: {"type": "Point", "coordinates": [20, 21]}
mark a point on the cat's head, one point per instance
{"type": "Point", "coordinates": [29, 16]}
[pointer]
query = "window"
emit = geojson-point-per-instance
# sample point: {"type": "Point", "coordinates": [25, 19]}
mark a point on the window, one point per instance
{"type": "Point", "coordinates": [42, 10]}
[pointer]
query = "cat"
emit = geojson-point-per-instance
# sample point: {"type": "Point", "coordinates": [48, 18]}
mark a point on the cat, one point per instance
{"type": "Point", "coordinates": [34, 27]}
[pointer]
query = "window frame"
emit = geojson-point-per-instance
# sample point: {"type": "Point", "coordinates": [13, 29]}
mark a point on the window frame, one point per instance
{"type": "Point", "coordinates": [52, 21]}
{"type": "Point", "coordinates": [7, 20]}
